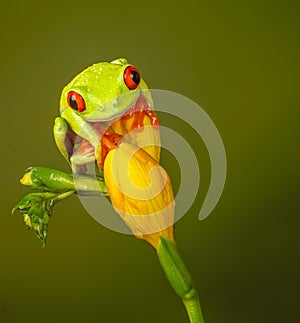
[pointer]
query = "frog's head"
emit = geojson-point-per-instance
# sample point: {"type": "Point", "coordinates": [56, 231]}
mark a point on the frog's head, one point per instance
{"type": "Point", "coordinates": [103, 91]}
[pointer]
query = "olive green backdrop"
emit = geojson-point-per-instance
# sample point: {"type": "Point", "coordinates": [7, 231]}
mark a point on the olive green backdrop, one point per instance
{"type": "Point", "coordinates": [236, 59]}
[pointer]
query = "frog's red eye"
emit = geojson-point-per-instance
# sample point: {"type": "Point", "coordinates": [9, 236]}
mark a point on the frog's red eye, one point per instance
{"type": "Point", "coordinates": [76, 101]}
{"type": "Point", "coordinates": [132, 77]}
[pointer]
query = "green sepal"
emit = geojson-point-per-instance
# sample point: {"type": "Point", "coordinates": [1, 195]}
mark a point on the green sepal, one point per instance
{"type": "Point", "coordinates": [175, 269]}
{"type": "Point", "coordinates": [37, 208]}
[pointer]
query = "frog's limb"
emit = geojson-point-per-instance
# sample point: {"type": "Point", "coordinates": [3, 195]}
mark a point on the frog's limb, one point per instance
{"type": "Point", "coordinates": [77, 140]}
{"type": "Point", "coordinates": [64, 138]}
{"type": "Point", "coordinates": [53, 180]}
{"type": "Point", "coordinates": [81, 127]}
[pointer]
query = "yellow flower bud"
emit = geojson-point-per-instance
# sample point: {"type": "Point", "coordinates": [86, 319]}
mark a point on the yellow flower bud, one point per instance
{"type": "Point", "coordinates": [141, 192]}
{"type": "Point", "coordinates": [26, 179]}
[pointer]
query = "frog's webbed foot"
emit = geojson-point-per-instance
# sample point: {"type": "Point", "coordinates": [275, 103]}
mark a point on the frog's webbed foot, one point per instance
{"type": "Point", "coordinates": [82, 155]}
{"type": "Point", "coordinates": [109, 141]}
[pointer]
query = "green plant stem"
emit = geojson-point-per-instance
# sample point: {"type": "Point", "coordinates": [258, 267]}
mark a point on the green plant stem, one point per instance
{"type": "Point", "coordinates": [179, 278]}
{"type": "Point", "coordinates": [193, 309]}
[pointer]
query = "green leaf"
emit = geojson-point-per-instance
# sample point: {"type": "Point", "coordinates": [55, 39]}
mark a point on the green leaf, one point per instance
{"type": "Point", "coordinates": [37, 208]}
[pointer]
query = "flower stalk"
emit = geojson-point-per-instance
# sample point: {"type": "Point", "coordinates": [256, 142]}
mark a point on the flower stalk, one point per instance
{"type": "Point", "coordinates": [141, 193]}
{"type": "Point", "coordinates": [179, 278]}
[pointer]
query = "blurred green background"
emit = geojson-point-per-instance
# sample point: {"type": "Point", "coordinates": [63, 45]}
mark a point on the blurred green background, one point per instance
{"type": "Point", "coordinates": [239, 60]}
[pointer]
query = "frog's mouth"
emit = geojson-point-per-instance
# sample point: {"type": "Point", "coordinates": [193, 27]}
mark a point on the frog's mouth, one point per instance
{"type": "Point", "coordinates": [108, 134]}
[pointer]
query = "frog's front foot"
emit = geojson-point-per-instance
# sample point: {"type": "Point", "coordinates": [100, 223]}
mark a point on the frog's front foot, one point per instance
{"type": "Point", "coordinates": [109, 141]}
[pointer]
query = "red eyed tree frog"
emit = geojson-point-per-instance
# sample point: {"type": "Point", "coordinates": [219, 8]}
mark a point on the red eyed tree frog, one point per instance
{"type": "Point", "coordinates": [98, 107]}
